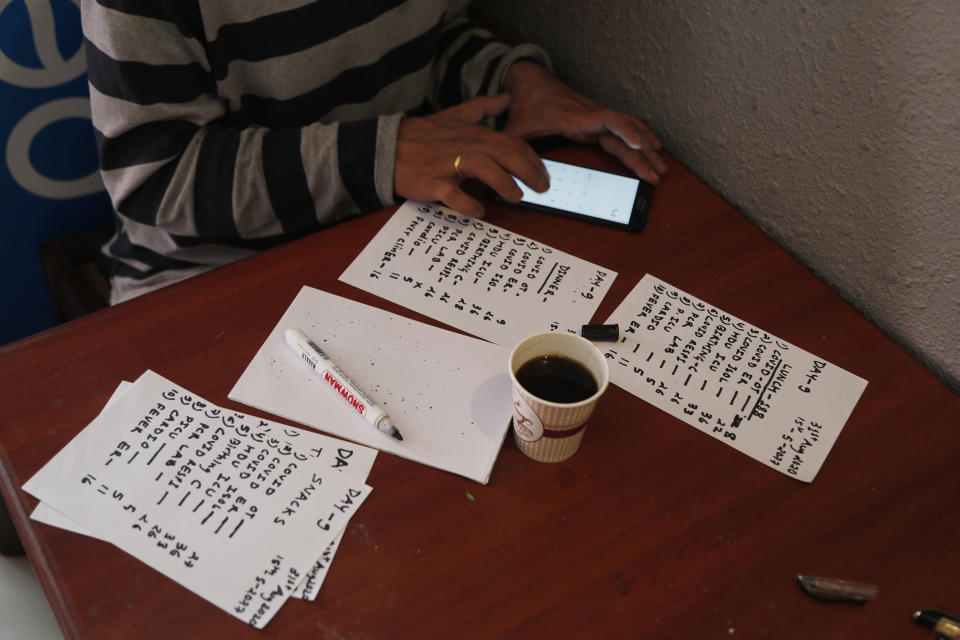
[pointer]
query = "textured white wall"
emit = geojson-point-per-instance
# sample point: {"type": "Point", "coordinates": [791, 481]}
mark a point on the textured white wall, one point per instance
{"type": "Point", "coordinates": [835, 126]}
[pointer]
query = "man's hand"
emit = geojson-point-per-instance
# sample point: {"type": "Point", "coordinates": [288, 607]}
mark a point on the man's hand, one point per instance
{"type": "Point", "coordinates": [542, 106]}
{"type": "Point", "coordinates": [428, 147]}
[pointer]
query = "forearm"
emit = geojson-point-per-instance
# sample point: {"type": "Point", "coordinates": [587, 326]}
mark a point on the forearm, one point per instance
{"type": "Point", "coordinates": [472, 62]}
{"type": "Point", "coordinates": [225, 183]}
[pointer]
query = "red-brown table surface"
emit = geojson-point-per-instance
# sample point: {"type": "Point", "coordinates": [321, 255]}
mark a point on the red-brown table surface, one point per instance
{"type": "Point", "coordinates": [652, 530]}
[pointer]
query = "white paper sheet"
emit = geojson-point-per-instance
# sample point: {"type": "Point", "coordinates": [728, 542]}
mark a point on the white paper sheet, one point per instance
{"type": "Point", "coordinates": [476, 276]}
{"type": "Point", "coordinates": [761, 395]}
{"type": "Point", "coordinates": [448, 394]}
{"type": "Point", "coordinates": [361, 462]}
{"type": "Point", "coordinates": [230, 506]}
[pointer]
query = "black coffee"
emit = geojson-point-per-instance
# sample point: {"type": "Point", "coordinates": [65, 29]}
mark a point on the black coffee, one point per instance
{"type": "Point", "coordinates": [557, 379]}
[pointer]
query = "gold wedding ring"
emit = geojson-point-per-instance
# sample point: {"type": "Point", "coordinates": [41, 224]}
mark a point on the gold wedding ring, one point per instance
{"type": "Point", "coordinates": [456, 164]}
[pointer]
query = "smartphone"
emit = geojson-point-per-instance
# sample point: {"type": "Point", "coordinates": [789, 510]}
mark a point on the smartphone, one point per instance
{"type": "Point", "coordinates": [595, 196]}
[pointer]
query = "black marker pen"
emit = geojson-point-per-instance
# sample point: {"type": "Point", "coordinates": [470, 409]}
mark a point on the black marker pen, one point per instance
{"type": "Point", "coordinates": [946, 625]}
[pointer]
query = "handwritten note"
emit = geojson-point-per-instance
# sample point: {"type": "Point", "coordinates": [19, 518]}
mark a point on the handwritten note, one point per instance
{"type": "Point", "coordinates": [237, 509]}
{"type": "Point", "coordinates": [448, 394]}
{"type": "Point", "coordinates": [476, 276]}
{"type": "Point", "coordinates": [326, 450]}
{"type": "Point", "coordinates": [761, 395]}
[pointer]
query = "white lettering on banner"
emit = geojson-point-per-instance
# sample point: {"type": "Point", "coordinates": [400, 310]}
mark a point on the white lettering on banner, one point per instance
{"type": "Point", "coordinates": [55, 70]}
{"type": "Point", "coordinates": [18, 151]}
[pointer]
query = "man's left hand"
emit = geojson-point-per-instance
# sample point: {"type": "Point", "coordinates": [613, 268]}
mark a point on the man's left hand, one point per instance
{"type": "Point", "coordinates": [542, 106]}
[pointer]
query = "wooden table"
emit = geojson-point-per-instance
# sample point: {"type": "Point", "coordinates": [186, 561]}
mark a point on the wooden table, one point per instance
{"type": "Point", "coordinates": [653, 529]}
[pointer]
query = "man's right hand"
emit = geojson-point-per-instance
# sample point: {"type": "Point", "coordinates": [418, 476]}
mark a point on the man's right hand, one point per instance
{"type": "Point", "coordinates": [428, 147]}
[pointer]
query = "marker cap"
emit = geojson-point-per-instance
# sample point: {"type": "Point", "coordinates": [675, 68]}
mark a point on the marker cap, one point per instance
{"type": "Point", "coordinates": [601, 332]}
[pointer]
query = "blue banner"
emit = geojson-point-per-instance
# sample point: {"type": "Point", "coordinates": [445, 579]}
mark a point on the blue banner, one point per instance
{"type": "Point", "coordinates": [49, 184]}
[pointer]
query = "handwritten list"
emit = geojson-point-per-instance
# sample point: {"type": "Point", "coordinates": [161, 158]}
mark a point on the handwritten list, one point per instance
{"type": "Point", "coordinates": [242, 511]}
{"type": "Point", "coordinates": [476, 276]}
{"type": "Point", "coordinates": [753, 391]}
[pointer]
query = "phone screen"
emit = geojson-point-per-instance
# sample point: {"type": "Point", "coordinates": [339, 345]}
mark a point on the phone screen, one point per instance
{"type": "Point", "coordinates": [585, 191]}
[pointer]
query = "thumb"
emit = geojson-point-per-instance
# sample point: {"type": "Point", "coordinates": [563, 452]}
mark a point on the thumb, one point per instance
{"type": "Point", "coordinates": [476, 109]}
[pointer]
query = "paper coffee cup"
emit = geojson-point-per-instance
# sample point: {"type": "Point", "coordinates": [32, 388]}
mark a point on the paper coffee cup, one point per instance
{"type": "Point", "coordinates": [549, 430]}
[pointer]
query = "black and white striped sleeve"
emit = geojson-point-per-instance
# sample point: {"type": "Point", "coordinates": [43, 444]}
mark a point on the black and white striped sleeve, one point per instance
{"type": "Point", "coordinates": [228, 127]}
{"type": "Point", "coordinates": [177, 156]}
{"type": "Point", "coordinates": [471, 61]}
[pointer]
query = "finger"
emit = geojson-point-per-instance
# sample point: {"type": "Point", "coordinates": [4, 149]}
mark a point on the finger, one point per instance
{"type": "Point", "coordinates": [631, 158]}
{"type": "Point", "coordinates": [652, 149]}
{"type": "Point", "coordinates": [476, 109]}
{"type": "Point", "coordinates": [483, 168]}
{"type": "Point", "coordinates": [513, 154]}
{"type": "Point", "coordinates": [633, 132]}
{"type": "Point", "coordinates": [518, 159]}
{"type": "Point", "coordinates": [451, 195]}
{"type": "Point", "coordinates": [604, 121]}
{"type": "Point", "coordinates": [648, 134]}
{"type": "Point", "coordinates": [528, 170]}
{"type": "Point", "coordinates": [655, 159]}
{"type": "Point", "coordinates": [650, 145]}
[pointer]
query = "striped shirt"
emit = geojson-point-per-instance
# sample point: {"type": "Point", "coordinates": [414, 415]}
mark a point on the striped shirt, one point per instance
{"type": "Point", "coordinates": [225, 128]}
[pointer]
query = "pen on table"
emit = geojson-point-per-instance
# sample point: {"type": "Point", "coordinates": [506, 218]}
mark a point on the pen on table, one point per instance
{"type": "Point", "coordinates": [330, 373]}
{"type": "Point", "coordinates": [837, 590]}
{"type": "Point", "coordinates": [946, 625]}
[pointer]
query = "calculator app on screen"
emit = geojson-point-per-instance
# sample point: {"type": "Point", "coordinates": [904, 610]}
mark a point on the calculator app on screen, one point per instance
{"type": "Point", "coordinates": [585, 191]}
